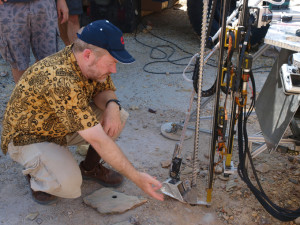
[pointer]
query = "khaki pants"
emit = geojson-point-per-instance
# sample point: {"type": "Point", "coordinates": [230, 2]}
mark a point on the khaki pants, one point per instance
{"type": "Point", "coordinates": [52, 167]}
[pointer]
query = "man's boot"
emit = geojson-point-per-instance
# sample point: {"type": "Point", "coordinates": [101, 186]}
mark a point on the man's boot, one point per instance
{"type": "Point", "coordinates": [41, 197]}
{"type": "Point", "coordinates": [92, 169]}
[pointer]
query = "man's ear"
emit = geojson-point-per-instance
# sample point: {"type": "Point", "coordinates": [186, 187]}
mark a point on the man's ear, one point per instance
{"type": "Point", "coordinates": [87, 53]}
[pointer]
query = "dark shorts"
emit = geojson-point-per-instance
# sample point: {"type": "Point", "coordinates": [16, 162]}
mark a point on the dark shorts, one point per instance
{"type": "Point", "coordinates": [75, 7]}
{"type": "Point", "coordinates": [25, 25]}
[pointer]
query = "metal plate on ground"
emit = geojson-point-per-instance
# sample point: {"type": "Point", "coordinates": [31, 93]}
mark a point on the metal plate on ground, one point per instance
{"type": "Point", "coordinates": [173, 131]}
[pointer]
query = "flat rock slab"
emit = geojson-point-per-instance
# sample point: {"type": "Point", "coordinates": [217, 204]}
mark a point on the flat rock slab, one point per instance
{"type": "Point", "coordinates": [105, 200]}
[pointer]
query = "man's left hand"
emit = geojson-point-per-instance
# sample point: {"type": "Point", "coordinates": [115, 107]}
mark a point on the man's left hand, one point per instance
{"type": "Point", "coordinates": [111, 120]}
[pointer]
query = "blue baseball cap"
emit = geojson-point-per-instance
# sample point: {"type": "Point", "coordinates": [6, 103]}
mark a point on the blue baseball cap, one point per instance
{"type": "Point", "coordinates": [104, 34]}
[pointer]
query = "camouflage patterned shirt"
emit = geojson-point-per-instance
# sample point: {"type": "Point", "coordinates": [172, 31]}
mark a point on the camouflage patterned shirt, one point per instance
{"type": "Point", "coordinates": [50, 101]}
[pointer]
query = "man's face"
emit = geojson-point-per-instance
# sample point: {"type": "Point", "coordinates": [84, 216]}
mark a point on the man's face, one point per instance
{"type": "Point", "coordinates": [101, 67]}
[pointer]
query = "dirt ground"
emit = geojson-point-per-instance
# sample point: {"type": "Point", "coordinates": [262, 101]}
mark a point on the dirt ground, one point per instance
{"type": "Point", "coordinates": [154, 96]}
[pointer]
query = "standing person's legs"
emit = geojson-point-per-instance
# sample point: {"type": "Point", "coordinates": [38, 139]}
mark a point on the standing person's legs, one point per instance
{"type": "Point", "coordinates": [44, 28]}
{"type": "Point", "coordinates": [52, 168]}
{"type": "Point", "coordinates": [15, 37]}
{"type": "Point", "coordinates": [69, 29]}
{"type": "Point", "coordinates": [27, 24]}
{"type": "Point", "coordinates": [63, 27]}
{"type": "Point", "coordinates": [73, 27]}
{"type": "Point", "coordinates": [17, 74]}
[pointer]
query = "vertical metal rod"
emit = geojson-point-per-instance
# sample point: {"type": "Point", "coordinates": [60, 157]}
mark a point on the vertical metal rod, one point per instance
{"type": "Point", "coordinates": [231, 131]}
{"type": "Point", "coordinates": [216, 109]}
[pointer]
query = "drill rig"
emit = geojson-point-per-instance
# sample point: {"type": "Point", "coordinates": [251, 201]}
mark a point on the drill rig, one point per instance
{"type": "Point", "coordinates": [233, 106]}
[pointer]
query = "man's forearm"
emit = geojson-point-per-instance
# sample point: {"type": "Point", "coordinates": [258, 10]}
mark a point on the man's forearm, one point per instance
{"type": "Point", "coordinates": [101, 98]}
{"type": "Point", "coordinates": [111, 153]}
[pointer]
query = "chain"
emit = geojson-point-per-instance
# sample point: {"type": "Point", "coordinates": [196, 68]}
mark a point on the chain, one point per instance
{"type": "Point", "coordinates": [201, 65]}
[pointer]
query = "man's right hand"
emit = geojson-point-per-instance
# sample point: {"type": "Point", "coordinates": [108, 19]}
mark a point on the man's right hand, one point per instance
{"type": "Point", "coordinates": [149, 185]}
{"type": "Point", "coordinates": [113, 155]}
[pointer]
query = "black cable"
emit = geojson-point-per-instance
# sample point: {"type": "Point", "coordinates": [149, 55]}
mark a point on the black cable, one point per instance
{"type": "Point", "coordinates": [165, 58]}
{"type": "Point", "coordinates": [276, 211]}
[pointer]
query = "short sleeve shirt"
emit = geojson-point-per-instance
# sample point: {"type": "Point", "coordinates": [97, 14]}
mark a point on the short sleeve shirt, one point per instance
{"type": "Point", "coordinates": [51, 100]}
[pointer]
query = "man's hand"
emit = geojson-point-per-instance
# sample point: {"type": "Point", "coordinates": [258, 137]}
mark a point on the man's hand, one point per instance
{"type": "Point", "coordinates": [111, 120]}
{"type": "Point", "coordinates": [62, 11]}
{"type": "Point", "coordinates": [150, 186]}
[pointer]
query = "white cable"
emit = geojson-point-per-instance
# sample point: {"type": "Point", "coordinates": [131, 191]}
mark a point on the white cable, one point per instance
{"type": "Point", "coordinates": [183, 73]}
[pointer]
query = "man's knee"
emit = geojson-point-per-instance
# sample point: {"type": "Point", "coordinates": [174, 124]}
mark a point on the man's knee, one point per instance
{"type": "Point", "coordinates": [70, 186]}
{"type": "Point", "coordinates": [124, 116]}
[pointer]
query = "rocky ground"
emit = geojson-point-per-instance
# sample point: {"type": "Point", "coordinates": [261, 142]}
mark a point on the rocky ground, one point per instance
{"type": "Point", "coordinates": [155, 94]}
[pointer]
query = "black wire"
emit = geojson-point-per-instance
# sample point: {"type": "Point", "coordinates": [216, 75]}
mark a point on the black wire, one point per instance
{"type": "Point", "coordinates": [276, 211]}
{"type": "Point", "coordinates": [165, 58]}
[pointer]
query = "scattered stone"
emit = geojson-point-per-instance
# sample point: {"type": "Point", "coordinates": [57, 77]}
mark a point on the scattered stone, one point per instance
{"type": "Point", "coordinates": [133, 220]}
{"type": "Point", "coordinates": [203, 173]}
{"type": "Point", "coordinates": [3, 74]}
{"type": "Point", "coordinates": [151, 110]}
{"type": "Point", "coordinates": [32, 216]}
{"type": "Point", "coordinates": [239, 193]}
{"type": "Point", "coordinates": [149, 27]}
{"type": "Point", "coordinates": [294, 181]}
{"type": "Point", "coordinates": [230, 185]}
{"type": "Point", "coordinates": [297, 172]}
{"type": "Point", "coordinates": [292, 159]}
{"type": "Point", "coordinates": [225, 217]}
{"type": "Point", "coordinates": [82, 149]}
{"type": "Point", "coordinates": [263, 168]}
{"type": "Point", "coordinates": [145, 126]}
{"type": "Point", "coordinates": [218, 170]}
{"type": "Point", "coordinates": [165, 164]}
{"type": "Point", "coordinates": [254, 214]}
{"type": "Point", "coordinates": [264, 221]}
{"type": "Point", "coordinates": [106, 201]}
{"type": "Point", "coordinates": [133, 107]}
{"type": "Point", "coordinates": [223, 186]}
{"type": "Point", "coordinates": [188, 170]}
{"type": "Point", "coordinates": [221, 177]}
{"type": "Point", "coordinates": [39, 221]}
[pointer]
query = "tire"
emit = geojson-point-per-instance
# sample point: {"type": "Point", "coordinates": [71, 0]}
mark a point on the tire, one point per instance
{"type": "Point", "coordinates": [195, 9]}
{"type": "Point", "coordinates": [125, 14]}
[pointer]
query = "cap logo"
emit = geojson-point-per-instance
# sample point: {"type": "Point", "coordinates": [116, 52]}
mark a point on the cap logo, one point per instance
{"type": "Point", "coordinates": [122, 40]}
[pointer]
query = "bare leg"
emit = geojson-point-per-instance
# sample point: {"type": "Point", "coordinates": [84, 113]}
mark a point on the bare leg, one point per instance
{"type": "Point", "coordinates": [17, 74]}
{"type": "Point", "coordinates": [73, 27]}
{"type": "Point", "coordinates": [63, 32]}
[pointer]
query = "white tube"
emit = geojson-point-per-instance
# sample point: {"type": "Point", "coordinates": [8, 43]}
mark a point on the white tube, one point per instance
{"type": "Point", "coordinates": [183, 73]}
